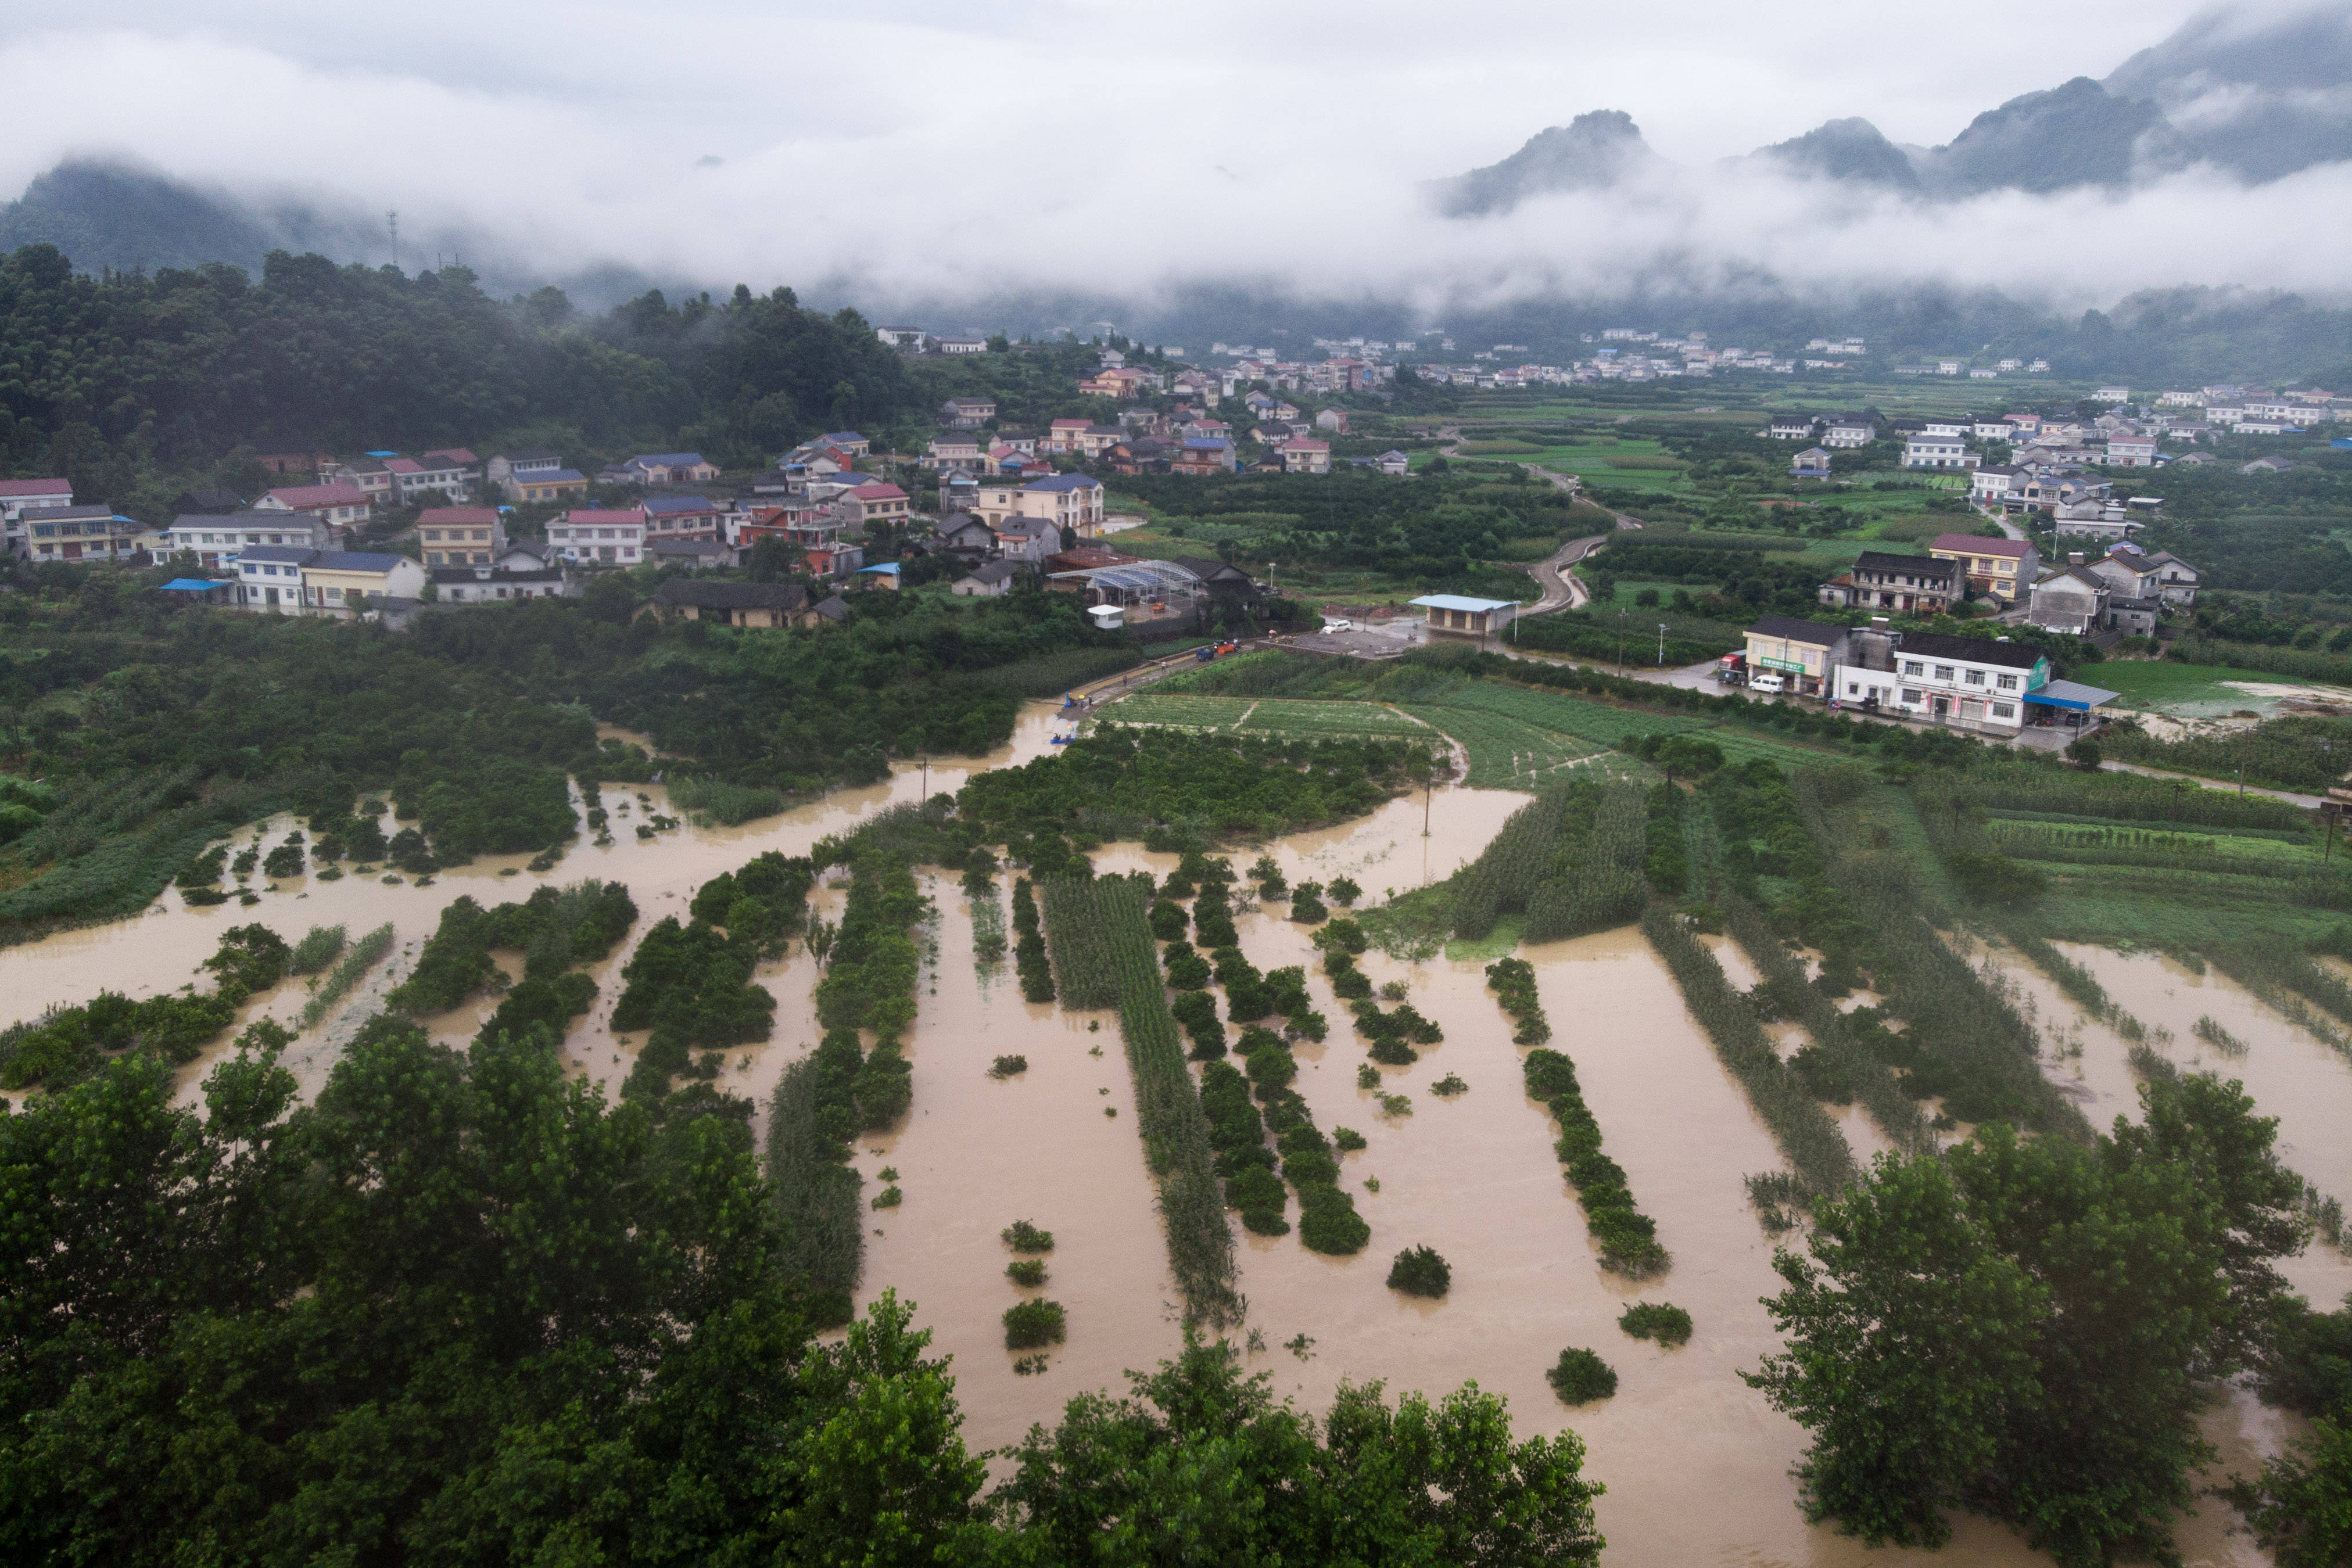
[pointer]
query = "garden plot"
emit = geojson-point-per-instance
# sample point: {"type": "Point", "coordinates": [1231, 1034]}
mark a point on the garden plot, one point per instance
{"type": "Point", "coordinates": [1174, 710]}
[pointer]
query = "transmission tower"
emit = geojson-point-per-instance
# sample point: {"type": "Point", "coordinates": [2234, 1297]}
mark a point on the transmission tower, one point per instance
{"type": "Point", "coordinates": [392, 220]}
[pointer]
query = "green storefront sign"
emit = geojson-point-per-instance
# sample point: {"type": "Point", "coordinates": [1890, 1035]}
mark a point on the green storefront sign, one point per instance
{"type": "Point", "coordinates": [1793, 666]}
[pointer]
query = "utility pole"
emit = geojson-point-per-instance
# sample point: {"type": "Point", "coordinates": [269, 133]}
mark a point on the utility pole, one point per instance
{"type": "Point", "coordinates": [1662, 644]}
{"type": "Point", "coordinates": [1620, 642]}
{"type": "Point", "coordinates": [392, 221]}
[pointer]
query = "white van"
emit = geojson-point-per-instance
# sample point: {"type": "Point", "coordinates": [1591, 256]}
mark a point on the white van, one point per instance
{"type": "Point", "coordinates": [1767, 682]}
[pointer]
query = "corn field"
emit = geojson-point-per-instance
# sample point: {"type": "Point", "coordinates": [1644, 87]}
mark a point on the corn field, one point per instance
{"type": "Point", "coordinates": [1816, 1151]}
{"type": "Point", "coordinates": [1114, 911]}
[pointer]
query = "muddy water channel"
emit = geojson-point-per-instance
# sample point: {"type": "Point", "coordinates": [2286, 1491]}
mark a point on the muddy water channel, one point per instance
{"type": "Point", "coordinates": [1696, 1463]}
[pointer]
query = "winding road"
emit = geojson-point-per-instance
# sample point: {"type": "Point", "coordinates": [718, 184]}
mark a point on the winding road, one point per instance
{"type": "Point", "coordinates": [1562, 590]}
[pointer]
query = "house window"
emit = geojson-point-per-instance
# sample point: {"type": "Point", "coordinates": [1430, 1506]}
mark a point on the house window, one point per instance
{"type": "Point", "coordinates": [1853, 688]}
{"type": "Point", "coordinates": [1943, 672]}
{"type": "Point", "coordinates": [2004, 710]}
{"type": "Point", "coordinates": [1910, 695]}
{"type": "Point", "coordinates": [2006, 683]}
{"type": "Point", "coordinates": [1976, 677]}
{"type": "Point", "coordinates": [334, 593]}
{"type": "Point", "coordinates": [1913, 667]}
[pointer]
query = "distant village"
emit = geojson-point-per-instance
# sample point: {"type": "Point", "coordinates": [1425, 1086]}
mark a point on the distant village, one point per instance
{"type": "Point", "coordinates": [1017, 507]}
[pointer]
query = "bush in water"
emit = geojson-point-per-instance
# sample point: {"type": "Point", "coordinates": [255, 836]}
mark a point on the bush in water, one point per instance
{"type": "Point", "coordinates": [1347, 1139]}
{"type": "Point", "coordinates": [1420, 1271]}
{"type": "Point", "coordinates": [1027, 1272]}
{"type": "Point", "coordinates": [1660, 1320]}
{"type": "Point", "coordinates": [1579, 1378]}
{"type": "Point", "coordinates": [1024, 1236]}
{"type": "Point", "coordinates": [1006, 1066]}
{"type": "Point", "coordinates": [1033, 1323]}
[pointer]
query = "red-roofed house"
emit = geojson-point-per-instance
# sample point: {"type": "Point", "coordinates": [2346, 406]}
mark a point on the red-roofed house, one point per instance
{"type": "Point", "coordinates": [460, 536]}
{"type": "Point", "coordinates": [864, 505]}
{"type": "Point", "coordinates": [1300, 456]}
{"type": "Point", "coordinates": [2004, 568]}
{"type": "Point", "coordinates": [341, 504]}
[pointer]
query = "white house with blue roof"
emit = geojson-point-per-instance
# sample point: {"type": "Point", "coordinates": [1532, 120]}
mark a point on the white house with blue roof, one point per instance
{"type": "Point", "coordinates": [1459, 615]}
{"type": "Point", "coordinates": [288, 579]}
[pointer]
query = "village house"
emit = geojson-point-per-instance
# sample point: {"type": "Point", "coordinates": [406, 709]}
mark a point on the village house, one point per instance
{"type": "Point", "coordinates": [1459, 615]}
{"type": "Point", "coordinates": [863, 507]}
{"type": "Point", "coordinates": [1202, 455]}
{"type": "Point", "coordinates": [1812, 463]}
{"type": "Point", "coordinates": [1073, 501]}
{"type": "Point", "coordinates": [702, 553]}
{"type": "Point", "coordinates": [1029, 539]}
{"type": "Point", "coordinates": [967, 413]}
{"type": "Point", "coordinates": [583, 534]}
{"type": "Point", "coordinates": [487, 585]}
{"type": "Point", "coordinates": [1792, 427]}
{"type": "Point", "coordinates": [215, 540]}
{"type": "Point", "coordinates": [18, 495]}
{"type": "Point", "coordinates": [342, 505]}
{"type": "Point", "coordinates": [963, 345]}
{"type": "Point", "coordinates": [78, 535]}
{"type": "Point", "coordinates": [340, 584]}
{"type": "Point", "coordinates": [953, 452]}
{"type": "Point", "coordinates": [2131, 451]}
{"type": "Point", "coordinates": [2135, 574]}
{"type": "Point", "coordinates": [369, 475]}
{"type": "Point", "coordinates": [684, 517]}
{"type": "Point", "coordinates": [2004, 568]}
{"type": "Point", "coordinates": [965, 536]}
{"type": "Point", "coordinates": [1392, 462]}
{"type": "Point", "coordinates": [283, 455]}
{"type": "Point", "coordinates": [2072, 600]}
{"type": "Point", "coordinates": [670, 468]}
{"type": "Point", "coordinates": [460, 536]}
{"type": "Point", "coordinates": [1927, 449]}
{"type": "Point", "coordinates": [758, 606]}
{"type": "Point", "coordinates": [1976, 682]}
{"type": "Point", "coordinates": [1805, 653]}
{"type": "Point", "coordinates": [1849, 430]}
{"type": "Point", "coordinates": [1907, 584]}
{"type": "Point", "coordinates": [428, 476]}
{"type": "Point", "coordinates": [2092, 519]}
{"type": "Point", "coordinates": [847, 441]}
{"type": "Point", "coordinates": [1990, 487]}
{"type": "Point", "coordinates": [989, 580]}
{"type": "Point", "coordinates": [1300, 456]}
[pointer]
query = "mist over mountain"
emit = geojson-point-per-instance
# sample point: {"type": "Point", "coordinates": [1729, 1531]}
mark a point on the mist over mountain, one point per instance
{"type": "Point", "coordinates": [1851, 149]}
{"type": "Point", "coordinates": [1592, 152]}
{"type": "Point", "coordinates": [2258, 93]}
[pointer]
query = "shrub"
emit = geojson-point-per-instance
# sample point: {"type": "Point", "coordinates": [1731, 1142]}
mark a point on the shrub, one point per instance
{"type": "Point", "coordinates": [1006, 1066]}
{"type": "Point", "coordinates": [890, 1197]}
{"type": "Point", "coordinates": [1579, 1378]}
{"type": "Point", "coordinates": [1368, 1076]}
{"type": "Point", "coordinates": [1197, 1011]}
{"type": "Point", "coordinates": [1033, 1323]}
{"type": "Point", "coordinates": [1660, 1320]}
{"type": "Point", "coordinates": [1420, 1271]}
{"type": "Point", "coordinates": [318, 947]}
{"type": "Point", "coordinates": [1333, 1228]}
{"type": "Point", "coordinates": [1024, 1236]}
{"type": "Point", "coordinates": [1347, 1139]}
{"type": "Point", "coordinates": [1449, 1086]}
{"type": "Point", "coordinates": [1029, 1272]}
{"type": "Point", "coordinates": [1995, 878]}
{"type": "Point", "coordinates": [1396, 1104]}
{"type": "Point", "coordinates": [1343, 892]}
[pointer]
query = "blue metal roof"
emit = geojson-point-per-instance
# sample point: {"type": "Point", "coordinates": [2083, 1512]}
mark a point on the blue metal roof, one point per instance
{"type": "Point", "coordinates": [2069, 694]}
{"type": "Point", "coordinates": [191, 585]}
{"type": "Point", "coordinates": [1461, 601]}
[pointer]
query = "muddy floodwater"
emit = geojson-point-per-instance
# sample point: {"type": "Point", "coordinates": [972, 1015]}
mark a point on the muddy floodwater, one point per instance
{"type": "Point", "coordinates": [1696, 1462]}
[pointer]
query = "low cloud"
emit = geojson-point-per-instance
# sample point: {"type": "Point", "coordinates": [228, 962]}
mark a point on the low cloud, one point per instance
{"type": "Point", "coordinates": [905, 156]}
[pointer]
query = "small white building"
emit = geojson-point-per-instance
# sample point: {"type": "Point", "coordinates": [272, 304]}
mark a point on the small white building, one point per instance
{"type": "Point", "coordinates": [614, 538]}
{"type": "Point", "coordinates": [1929, 450]}
{"type": "Point", "coordinates": [1459, 615]}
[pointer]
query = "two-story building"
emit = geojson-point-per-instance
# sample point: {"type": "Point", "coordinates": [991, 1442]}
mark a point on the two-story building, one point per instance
{"type": "Point", "coordinates": [1805, 653]}
{"type": "Point", "coordinates": [759, 606]}
{"type": "Point", "coordinates": [1849, 430]}
{"type": "Point", "coordinates": [1202, 455]}
{"type": "Point", "coordinates": [1905, 584]}
{"type": "Point", "coordinates": [871, 505]}
{"type": "Point", "coordinates": [343, 506]}
{"type": "Point", "coordinates": [967, 413]}
{"type": "Point", "coordinates": [1300, 456]}
{"type": "Point", "coordinates": [2070, 600]}
{"type": "Point", "coordinates": [1792, 427]}
{"type": "Point", "coordinates": [585, 534]}
{"type": "Point", "coordinates": [1812, 463]}
{"type": "Point", "coordinates": [2005, 569]}
{"type": "Point", "coordinates": [953, 454]}
{"type": "Point", "coordinates": [460, 536]}
{"type": "Point", "coordinates": [416, 477]}
{"type": "Point", "coordinates": [342, 585]}
{"type": "Point", "coordinates": [18, 495]}
{"type": "Point", "coordinates": [683, 518]}
{"type": "Point", "coordinates": [370, 475]}
{"type": "Point", "coordinates": [2135, 573]}
{"type": "Point", "coordinates": [78, 535]}
{"type": "Point", "coordinates": [1976, 682]}
{"type": "Point", "coordinates": [495, 584]}
{"type": "Point", "coordinates": [670, 468]}
{"type": "Point", "coordinates": [216, 539]}
{"type": "Point", "coordinates": [1931, 449]}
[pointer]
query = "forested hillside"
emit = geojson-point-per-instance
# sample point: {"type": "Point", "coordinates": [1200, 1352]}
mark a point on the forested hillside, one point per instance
{"type": "Point", "coordinates": [133, 386]}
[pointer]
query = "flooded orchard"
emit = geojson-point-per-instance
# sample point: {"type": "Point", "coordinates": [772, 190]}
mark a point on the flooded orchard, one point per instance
{"type": "Point", "coordinates": [1696, 1464]}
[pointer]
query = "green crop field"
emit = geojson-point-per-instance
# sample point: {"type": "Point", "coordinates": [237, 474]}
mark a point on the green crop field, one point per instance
{"type": "Point", "coordinates": [1590, 721]}
{"type": "Point", "coordinates": [2188, 690]}
{"type": "Point", "coordinates": [1294, 715]}
{"type": "Point", "coordinates": [1506, 753]}
{"type": "Point", "coordinates": [1176, 710]}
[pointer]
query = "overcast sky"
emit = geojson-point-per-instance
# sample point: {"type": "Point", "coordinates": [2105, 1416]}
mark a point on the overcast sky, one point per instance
{"type": "Point", "coordinates": [929, 146]}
